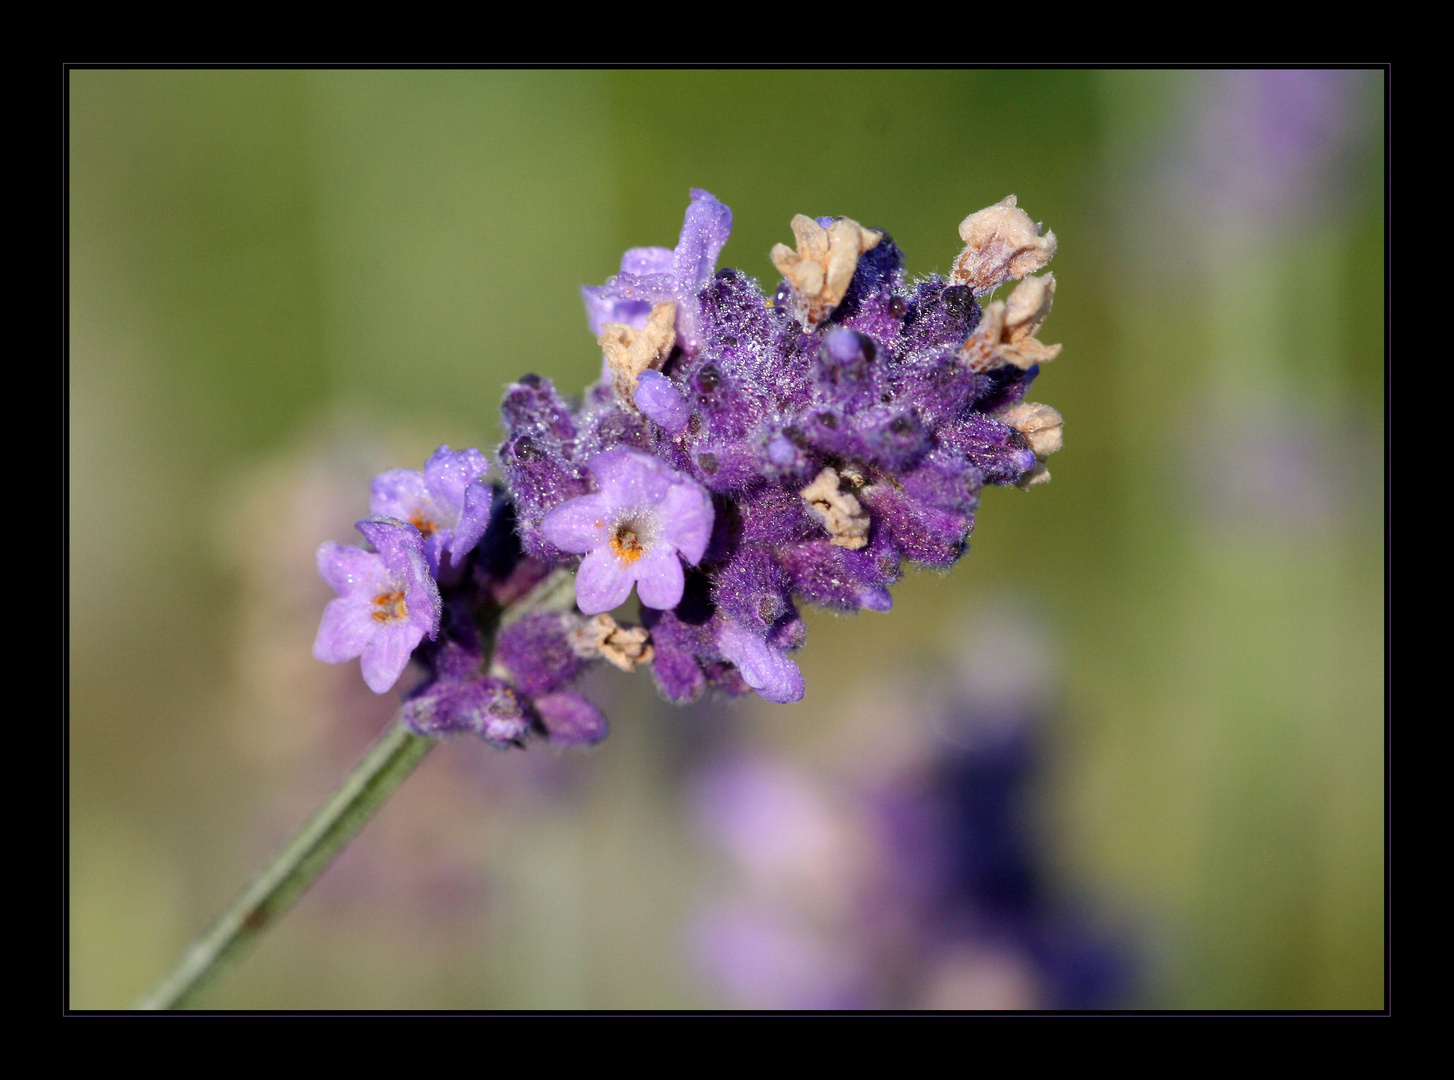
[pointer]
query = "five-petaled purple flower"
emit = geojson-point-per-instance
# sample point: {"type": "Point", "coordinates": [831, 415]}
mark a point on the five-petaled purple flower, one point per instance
{"type": "Point", "coordinates": [448, 502]}
{"type": "Point", "coordinates": [387, 601]}
{"type": "Point", "coordinates": [632, 530]}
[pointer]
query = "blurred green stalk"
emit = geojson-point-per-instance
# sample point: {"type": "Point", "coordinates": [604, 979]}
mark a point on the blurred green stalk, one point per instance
{"type": "Point", "coordinates": [393, 756]}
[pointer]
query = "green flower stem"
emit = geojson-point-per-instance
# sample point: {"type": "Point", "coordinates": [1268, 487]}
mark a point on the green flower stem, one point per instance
{"type": "Point", "coordinates": [394, 755]}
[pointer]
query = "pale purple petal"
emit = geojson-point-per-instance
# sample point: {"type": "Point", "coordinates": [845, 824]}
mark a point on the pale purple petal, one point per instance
{"type": "Point", "coordinates": [686, 515]}
{"type": "Point", "coordinates": [449, 473]}
{"type": "Point", "coordinates": [402, 549]}
{"type": "Point", "coordinates": [659, 400]}
{"type": "Point", "coordinates": [399, 493]}
{"type": "Point", "coordinates": [659, 578]}
{"type": "Point", "coordinates": [387, 654]}
{"type": "Point", "coordinates": [605, 304]}
{"type": "Point", "coordinates": [422, 597]}
{"type": "Point", "coordinates": [474, 519]}
{"type": "Point", "coordinates": [578, 524]}
{"type": "Point", "coordinates": [648, 260]}
{"type": "Point", "coordinates": [571, 719]}
{"type": "Point", "coordinates": [602, 583]}
{"type": "Point", "coordinates": [398, 543]}
{"type": "Point", "coordinates": [630, 478]}
{"type": "Point", "coordinates": [706, 229]}
{"type": "Point", "coordinates": [351, 570]}
{"type": "Point", "coordinates": [435, 544]}
{"type": "Point", "coordinates": [348, 625]}
{"type": "Point", "coordinates": [769, 672]}
{"type": "Point", "coordinates": [627, 298]}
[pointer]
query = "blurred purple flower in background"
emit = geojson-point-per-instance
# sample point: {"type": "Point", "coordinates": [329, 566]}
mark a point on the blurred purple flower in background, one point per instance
{"type": "Point", "coordinates": [920, 885]}
{"type": "Point", "coordinates": [1271, 144]}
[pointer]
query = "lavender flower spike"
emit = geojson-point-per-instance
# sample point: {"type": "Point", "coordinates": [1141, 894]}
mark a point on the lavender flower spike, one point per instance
{"type": "Point", "coordinates": [631, 531]}
{"type": "Point", "coordinates": [387, 601]}
{"type": "Point", "coordinates": [448, 502]}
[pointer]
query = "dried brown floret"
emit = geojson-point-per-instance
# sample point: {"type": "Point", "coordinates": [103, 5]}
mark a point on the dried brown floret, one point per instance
{"type": "Point", "coordinates": [840, 511]}
{"type": "Point", "coordinates": [1000, 243]}
{"type": "Point", "coordinates": [820, 270]}
{"type": "Point", "coordinates": [1007, 329]}
{"type": "Point", "coordinates": [624, 647]}
{"type": "Point", "coordinates": [629, 352]}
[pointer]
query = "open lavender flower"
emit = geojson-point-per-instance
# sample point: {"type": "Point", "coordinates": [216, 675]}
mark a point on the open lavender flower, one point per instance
{"type": "Point", "coordinates": [738, 457]}
{"type": "Point", "coordinates": [632, 530]}
{"type": "Point", "coordinates": [652, 276]}
{"type": "Point", "coordinates": [387, 601]}
{"type": "Point", "coordinates": [448, 502]}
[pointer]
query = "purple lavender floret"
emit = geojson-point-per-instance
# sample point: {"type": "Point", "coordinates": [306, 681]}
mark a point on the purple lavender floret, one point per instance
{"type": "Point", "coordinates": [632, 530]}
{"type": "Point", "coordinates": [650, 276]}
{"type": "Point", "coordinates": [518, 690]}
{"type": "Point", "coordinates": [387, 601]}
{"type": "Point", "coordinates": [448, 502]}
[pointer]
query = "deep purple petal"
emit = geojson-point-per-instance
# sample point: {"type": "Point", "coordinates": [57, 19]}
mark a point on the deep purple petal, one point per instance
{"type": "Point", "coordinates": [659, 400]}
{"type": "Point", "coordinates": [538, 652]}
{"type": "Point", "coordinates": [659, 578]}
{"type": "Point", "coordinates": [707, 226]}
{"type": "Point", "coordinates": [347, 627]}
{"type": "Point", "coordinates": [577, 525]}
{"type": "Point", "coordinates": [387, 654]}
{"type": "Point", "coordinates": [571, 719]}
{"type": "Point", "coordinates": [686, 514]}
{"type": "Point", "coordinates": [769, 672]}
{"type": "Point", "coordinates": [351, 570]}
{"type": "Point", "coordinates": [602, 583]}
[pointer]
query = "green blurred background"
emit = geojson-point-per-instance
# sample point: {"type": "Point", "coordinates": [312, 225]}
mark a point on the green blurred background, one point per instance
{"type": "Point", "coordinates": [283, 281]}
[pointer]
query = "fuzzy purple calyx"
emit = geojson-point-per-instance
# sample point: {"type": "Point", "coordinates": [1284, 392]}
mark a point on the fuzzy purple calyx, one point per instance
{"type": "Point", "coordinates": [570, 719]}
{"type": "Point", "coordinates": [660, 401]}
{"type": "Point", "coordinates": [387, 601]}
{"type": "Point", "coordinates": [635, 529]}
{"type": "Point", "coordinates": [448, 502]}
{"type": "Point", "coordinates": [771, 673]}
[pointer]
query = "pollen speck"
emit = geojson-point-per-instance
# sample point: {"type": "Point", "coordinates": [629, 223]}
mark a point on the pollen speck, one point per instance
{"type": "Point", "coordinates": [390, 607]}
{"type": "Point", "coordinates": [626, 545]}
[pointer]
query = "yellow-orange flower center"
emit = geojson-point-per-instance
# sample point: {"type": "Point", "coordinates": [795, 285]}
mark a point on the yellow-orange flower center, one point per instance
{"type": "Point", "coordinates": [422, 523]}
{"type": "Point", "coordinates": [390, 607]}
{"type": "Point", "coordinates": [626, 545]}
